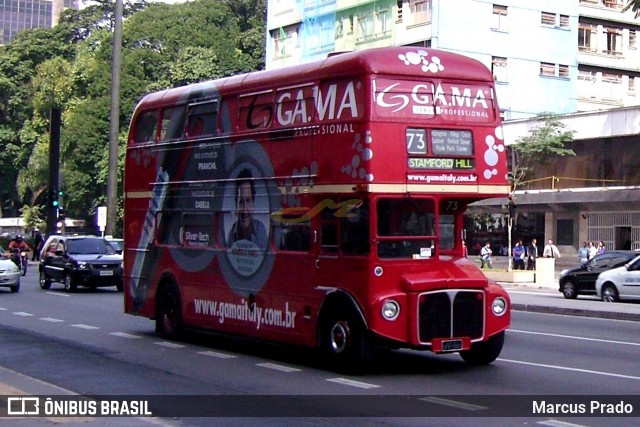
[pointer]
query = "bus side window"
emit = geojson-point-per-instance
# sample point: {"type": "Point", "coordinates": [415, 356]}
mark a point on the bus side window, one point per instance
{"type": "Point", "coordinates": [202, 119]}
{"type": "Point", "coordinates": [295, 237]}
{"type": "Point", "coordinates": [146, 127]}
{"type": "Point", "coordinates": [355, 230]}
{"type": "Point", "coordinates": [328, 231]}
{"type": "Point", "coordinates": [172, 123]}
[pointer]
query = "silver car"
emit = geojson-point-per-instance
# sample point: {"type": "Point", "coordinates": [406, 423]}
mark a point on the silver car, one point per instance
{"type": "Point", "coordinates": [9, 275]}
{"type": "Point", "coordinates": [620, 283]}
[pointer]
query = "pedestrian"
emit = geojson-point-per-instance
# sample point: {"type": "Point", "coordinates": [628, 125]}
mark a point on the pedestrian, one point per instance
{"type": "Point", "coordinates": [519, 253]}
{"type": "Point", "coordinates": [485, 256]}
{"type": "Point", "coordinates": [465, 250]}
{"type": "Point", "coordinates": [550, 250]}
{"type": "Point", "coordinates": [38, 240]}
{"type": "Point", "coordinates": [532, 255]}
{"type": "Point", "coordinates": [601, 248]}
{"type": "Point", "coordinates": [593, 251]}
{"type": "Point", "coordinates": [583, 254]}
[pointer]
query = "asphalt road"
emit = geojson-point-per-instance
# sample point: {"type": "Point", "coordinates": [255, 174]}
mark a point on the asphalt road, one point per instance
{"type": "Point", "coordinates": [84, 344]}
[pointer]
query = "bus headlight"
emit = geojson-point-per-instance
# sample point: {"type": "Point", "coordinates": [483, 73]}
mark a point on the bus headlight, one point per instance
{"type": "Point", "coordinates": [499, 306]}
{"type": "Point", "coordinates": [390, 309]}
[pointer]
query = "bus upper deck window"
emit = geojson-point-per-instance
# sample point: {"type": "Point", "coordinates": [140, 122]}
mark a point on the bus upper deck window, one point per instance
{"type": "Point", "coordinates": [146, 127]}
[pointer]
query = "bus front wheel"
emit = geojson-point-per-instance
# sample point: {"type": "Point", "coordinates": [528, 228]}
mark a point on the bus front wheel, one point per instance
{"type": "Point", "coordinates": [483, 353]}
{"type": "Point", "coordinates": [168, 313]}
{"type": "Point", "coordinates": [346, 343]}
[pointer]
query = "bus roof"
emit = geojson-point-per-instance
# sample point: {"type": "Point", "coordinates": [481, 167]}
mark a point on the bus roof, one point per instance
{"type": "Point", "coordinates": [369, 61]}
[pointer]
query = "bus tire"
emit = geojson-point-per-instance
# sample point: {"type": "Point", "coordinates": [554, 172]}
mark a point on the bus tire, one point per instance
{"type": "Point", "coordinates": [169, 313]}
{"type": "Point", "coordinates": [345, 342]}
{"type": "Point", "coordinates": [483, 353]}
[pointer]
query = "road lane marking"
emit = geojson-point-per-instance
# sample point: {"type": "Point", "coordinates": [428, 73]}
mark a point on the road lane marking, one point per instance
{"type": "Point", "coordinates": [277, 367]}
{"type": "Point", "coordinates": [169, 344]}
{"type": "Point", "coordinates": [124, 335]}
{"type": "Point", "coordinates": [574, 337]}
{"type": "Point", "coordinates": [453, 403]}
{"type": "Point", "coordinates": [58, 294]}
{"type": "Point", "coordinates": [352, 383]}
{"type": "Point", "coordinates": [82, 326]}
{"type": "Point", "coordinates": [217, 354]}
{"type": "Point", "coordinates": [51, 319]}
{"type": "Point", "coordinates": [3, 309]}
{"type": "Point", "coordinates": [558, 423]}
{"type": "Point", "coordinates": [22, 313]}
{"type": "Point", "coordinates": [564, 368]}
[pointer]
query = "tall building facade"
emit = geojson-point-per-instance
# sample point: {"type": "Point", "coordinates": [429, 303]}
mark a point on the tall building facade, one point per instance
{"type": "Point", "coordinates": [19, 15]}
{"type": "Point", "coordinates": [561, 56]}
{"type": "Point", "coordinates": [576, 58]}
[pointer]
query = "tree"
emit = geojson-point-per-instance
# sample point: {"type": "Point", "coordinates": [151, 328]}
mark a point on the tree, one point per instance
{"type": "Point", "coordinates": [634, 5]}
{"type": "Point", "coordinates": [544, 141]}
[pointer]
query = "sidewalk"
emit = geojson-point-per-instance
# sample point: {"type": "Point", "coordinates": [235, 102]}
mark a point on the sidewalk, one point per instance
{"type": "Point", "coordinates": [547, 298]}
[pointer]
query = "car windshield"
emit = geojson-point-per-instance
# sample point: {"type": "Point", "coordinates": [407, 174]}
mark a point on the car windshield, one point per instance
{"type": "Point", "coordinates": [89, 247]}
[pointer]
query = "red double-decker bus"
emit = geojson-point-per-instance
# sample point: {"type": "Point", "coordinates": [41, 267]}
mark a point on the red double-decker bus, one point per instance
{"type": "Point", "coordinates": [319, 205]}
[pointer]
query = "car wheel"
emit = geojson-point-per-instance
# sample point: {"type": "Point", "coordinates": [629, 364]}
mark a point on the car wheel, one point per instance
{"type": "Point", "coordinates": [169, 313]}
{"type": "Point", "coordinates": [69, 283]}
{"type": "Point", "coordinates": [345, 342]}
{"type": "Point", "coordinates": [610, 293]}
{"type": "Point", "coordinates": [569, 290]}
{"type": "Point", "coordinates": [45, 283]}
{"type": "Point", "coordinates": [16, 288]}
{"type": "Point", "coordinates": [120, 287]}
{"type": "Point", "coordinates": [483, 353]}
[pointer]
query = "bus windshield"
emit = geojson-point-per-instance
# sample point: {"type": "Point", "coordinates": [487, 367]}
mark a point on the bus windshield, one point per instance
{"type": "Point", "coordinates": [406, 228]}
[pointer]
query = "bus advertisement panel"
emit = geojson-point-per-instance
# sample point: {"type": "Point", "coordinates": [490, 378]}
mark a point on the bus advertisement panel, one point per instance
{"type": "Point", "coordinates": [319, 205]}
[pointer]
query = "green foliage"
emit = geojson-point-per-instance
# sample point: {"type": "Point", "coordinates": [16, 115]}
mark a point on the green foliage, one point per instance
{"type": "Point", "coordinates": [544, 142]}
{"type": "Point", "coordinates": [33, 217]}
{"type": "Point", "coordinates": [69, 66]}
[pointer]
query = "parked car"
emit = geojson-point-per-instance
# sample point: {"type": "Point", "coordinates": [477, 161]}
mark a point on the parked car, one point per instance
{"type": "Point", "coordinates": [74, 261]}
{"type": "Point", "coordinates": [582, 280]}
{"type": "Point", "coordinates": [118, 244]}
{"type": "Point", "coordinates": [620, 283]}
{"type": "Point", "coordinates": [9, 274]}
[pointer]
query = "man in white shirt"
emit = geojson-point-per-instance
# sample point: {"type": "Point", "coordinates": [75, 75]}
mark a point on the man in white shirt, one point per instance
{"type": "Point", "coordinates": [550, 251]}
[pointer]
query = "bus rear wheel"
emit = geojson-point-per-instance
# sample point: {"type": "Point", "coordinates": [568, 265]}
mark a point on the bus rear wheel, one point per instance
{"type": "Point", "coordinates": [169, 313]}
{"type": "Point", "coordinates": [346, 343]}
{"type": "Point", "coordinates": [483, 353]}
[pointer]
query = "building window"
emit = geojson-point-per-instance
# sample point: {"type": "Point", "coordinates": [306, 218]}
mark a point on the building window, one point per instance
{"type": "Point", "coordinates": [548, 18]}
{"type": "Point", "coordinates": [547, 69]}
{"type": "Point", "coordinates": [632, 39]}
{"type": "Point", "coordinates": [632, 85]}
{"type": "Point", "coordinates": [564, 21]}
{"type": "Point", "coordinates": [586, 36]}
{"type": "Point", "coordinates": [281, 43]}
{"type": "Point", "coordinates": [614, 41]}
{"type": "Point", "coordinates": [365, 27]}
{"type": "Point", "coordinates": [613, 4]}
{"type": "Point", "coordinates": [499, 68]}
{"type": "Point", "coordinates": [399, 4]}
{"type": "Point", "coordinates": [499, 18]}
{"type": "Point", "coordinates": [563, 70]}
{"type": "Point", "coordinates": [419, 12]}
{"type": "Point", "coordinates": [383, 22]}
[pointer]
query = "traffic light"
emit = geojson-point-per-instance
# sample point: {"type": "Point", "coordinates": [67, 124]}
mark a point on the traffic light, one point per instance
{"type": "Point", "coordinates": [55, 201]}
{"type": "Point", "coordinates": [62, 214]}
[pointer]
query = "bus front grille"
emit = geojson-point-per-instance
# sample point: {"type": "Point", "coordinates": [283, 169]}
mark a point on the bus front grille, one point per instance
{"type": "Point", "coordinates": [450, 314]}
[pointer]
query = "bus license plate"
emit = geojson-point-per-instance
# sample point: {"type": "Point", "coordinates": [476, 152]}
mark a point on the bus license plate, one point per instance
{"type": "Point", "coordinates": [106, 273]}
{"type": "Point", "coordinates": [453, 345]}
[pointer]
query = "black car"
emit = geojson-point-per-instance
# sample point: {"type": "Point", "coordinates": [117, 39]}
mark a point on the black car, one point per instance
{"type": "Point", "coordinates": [582, 279]}
{"type": "Point", "coordinates": [74, 261]}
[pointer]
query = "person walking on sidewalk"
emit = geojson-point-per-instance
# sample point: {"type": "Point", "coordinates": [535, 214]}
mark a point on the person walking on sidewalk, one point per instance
{"type": "Point", "coordinates": [518, 256]}
{"type": "Point", "coordinates": [551, 251]}
{"type": "Point", "coordinates": [583, 254]}
{"type": "Point", "coordinates": [601, 248]}
{"type": "Point", "coordinates": [592, 250]}
{"type": "Point", "coordinates": [532, 255]}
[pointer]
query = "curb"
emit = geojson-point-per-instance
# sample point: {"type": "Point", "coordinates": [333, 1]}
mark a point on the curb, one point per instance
{"type": "Point", "coordinates": [611, 315]}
